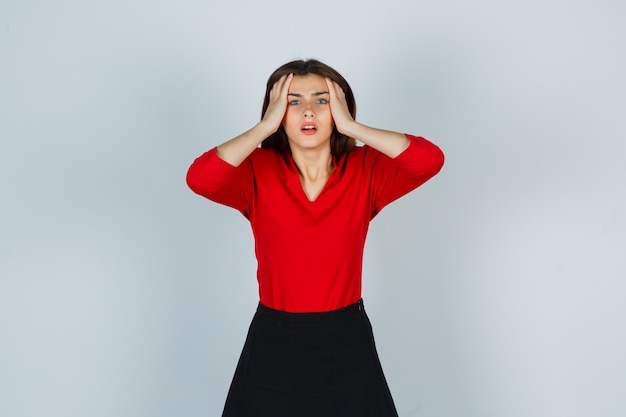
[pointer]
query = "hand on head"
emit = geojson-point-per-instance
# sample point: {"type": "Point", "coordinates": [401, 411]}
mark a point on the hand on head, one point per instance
{"type": "Point", "coordinates": [338, 105]}
{"type": "Point", "coordinates": [278, 101]}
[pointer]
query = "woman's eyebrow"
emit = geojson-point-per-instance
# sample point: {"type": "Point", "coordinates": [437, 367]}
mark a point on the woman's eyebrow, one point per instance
{"type": "Point", "coordinates": [319, 93]}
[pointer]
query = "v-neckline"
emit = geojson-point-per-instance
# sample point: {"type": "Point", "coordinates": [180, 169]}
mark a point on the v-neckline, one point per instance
{"type": "Point", "coordinates": [321, 189]}
{"type": "Point", "coordinates": [294, 179]}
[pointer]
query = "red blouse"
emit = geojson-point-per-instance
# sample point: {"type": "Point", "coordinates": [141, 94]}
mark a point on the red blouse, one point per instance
{"type": "Point", "coordinates": [310, 253]}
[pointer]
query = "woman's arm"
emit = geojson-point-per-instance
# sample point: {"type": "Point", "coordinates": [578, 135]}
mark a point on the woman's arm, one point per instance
{"type": "Point", "coordinates": [390, 143]}
{"type": "Point", "coordinates": [236, 150]}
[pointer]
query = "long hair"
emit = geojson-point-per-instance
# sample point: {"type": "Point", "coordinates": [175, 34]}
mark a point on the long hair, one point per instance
{"type": "Point", "coordinates": [339, 143]}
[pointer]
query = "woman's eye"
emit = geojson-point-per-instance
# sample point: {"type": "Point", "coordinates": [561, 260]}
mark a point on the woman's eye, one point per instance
{"type": "Point", "coordinates": [322, 101]}
{"type": "Point", "coordinates": [294, 102]}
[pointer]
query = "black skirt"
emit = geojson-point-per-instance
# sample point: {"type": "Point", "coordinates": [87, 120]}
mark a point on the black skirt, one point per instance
{"type": "Point", "coordinates": [310, 365]}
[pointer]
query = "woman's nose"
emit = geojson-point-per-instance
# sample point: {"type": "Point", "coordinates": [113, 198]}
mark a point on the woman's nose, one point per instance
{"type": "Point", "coordinates": [308, 111]}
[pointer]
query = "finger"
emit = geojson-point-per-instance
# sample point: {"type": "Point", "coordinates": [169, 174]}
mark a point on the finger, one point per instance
{"type": "Point", "coordinates": [338, 90]}
{"type": "Point", "coordinates": [285, 85]}
{"type": "Point", "coordinates": [335, 90]}
{"type": "Point", "coordinates": [331, 88]}
{"type": "Point", "coordinates": [278, 84]}
{"type": "Point", "coordinates": [285, 80]}
{"type": "Point", "coordinates": [280, 88]}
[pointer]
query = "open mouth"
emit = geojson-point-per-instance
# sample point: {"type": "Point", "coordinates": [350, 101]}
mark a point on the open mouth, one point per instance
{"type": "Point", "coordinates": [308, 128]}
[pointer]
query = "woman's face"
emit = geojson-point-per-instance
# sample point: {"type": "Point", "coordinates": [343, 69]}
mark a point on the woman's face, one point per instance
{"type": "Point", "coordinates": [308, 121]}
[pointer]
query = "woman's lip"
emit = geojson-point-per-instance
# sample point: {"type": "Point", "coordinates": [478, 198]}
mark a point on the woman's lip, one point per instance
{"type": "Point", "coordinates": [308, 131]}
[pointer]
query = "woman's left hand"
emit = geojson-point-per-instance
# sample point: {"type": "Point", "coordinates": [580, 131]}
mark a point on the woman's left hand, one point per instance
{"type": "Point", "coordinates": [339, 106]}
{"type": "Point", "coordinates": [390, 143]}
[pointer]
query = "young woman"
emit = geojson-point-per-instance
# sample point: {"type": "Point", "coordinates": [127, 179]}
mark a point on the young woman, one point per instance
{"type": "Point", "coordinates": [309, 193]}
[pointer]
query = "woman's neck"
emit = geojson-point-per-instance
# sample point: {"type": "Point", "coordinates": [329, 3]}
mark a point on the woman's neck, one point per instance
{"type": "Point", "coordinates": [313, 165]}
{"type": "Point", "coordinates": [314, 168]}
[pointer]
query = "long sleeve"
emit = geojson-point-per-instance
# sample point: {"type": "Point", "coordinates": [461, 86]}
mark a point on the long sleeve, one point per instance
{"type": "Point", "coordinates": [393, 178]}
{"type": "Point", "coordinates": [217, 180]}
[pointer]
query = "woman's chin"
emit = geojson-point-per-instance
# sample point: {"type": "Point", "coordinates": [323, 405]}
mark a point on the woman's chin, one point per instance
{"type": "Point", "coordinates": [309, 142]}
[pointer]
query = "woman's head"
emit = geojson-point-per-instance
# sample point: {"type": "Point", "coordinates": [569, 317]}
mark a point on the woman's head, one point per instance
{"type": "Point", "coordinates": [339, 143]}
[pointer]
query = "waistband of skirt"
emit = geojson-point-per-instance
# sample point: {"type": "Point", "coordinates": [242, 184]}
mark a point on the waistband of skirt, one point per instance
{"type": "Point", "coordinates": [341, 313]}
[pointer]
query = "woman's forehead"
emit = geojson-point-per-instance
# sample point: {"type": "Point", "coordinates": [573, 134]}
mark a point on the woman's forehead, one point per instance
{"type": "Point", "coordinates": [307, 83]}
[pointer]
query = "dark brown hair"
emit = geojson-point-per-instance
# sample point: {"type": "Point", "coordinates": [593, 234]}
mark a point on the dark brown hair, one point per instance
{"type": "Point", "coordinates": [339, 143]}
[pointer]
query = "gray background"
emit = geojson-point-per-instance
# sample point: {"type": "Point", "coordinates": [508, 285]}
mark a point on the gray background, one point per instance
{"type": "Point", "coordinates": [495, 290]}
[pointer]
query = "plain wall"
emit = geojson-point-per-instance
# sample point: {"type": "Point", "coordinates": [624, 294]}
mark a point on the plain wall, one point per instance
{"type": "Point", "coordinates": [495, 290]}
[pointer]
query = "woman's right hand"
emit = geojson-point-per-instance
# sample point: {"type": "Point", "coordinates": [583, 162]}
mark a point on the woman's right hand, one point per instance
{"type": "Point", "coordinates": [277, 106]}
{"type": "Point", "coordinates": [236, 150]}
